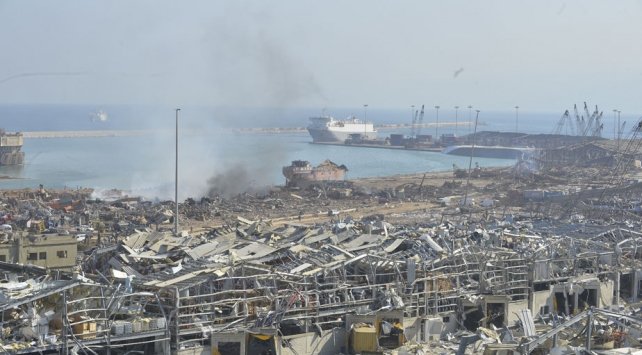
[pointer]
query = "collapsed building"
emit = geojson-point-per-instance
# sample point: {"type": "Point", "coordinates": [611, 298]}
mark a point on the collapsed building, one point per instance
{"type": "Point", "coordinates": [342, 287]}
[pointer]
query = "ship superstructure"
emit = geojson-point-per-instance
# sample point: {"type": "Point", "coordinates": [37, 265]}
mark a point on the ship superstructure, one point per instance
{"type": "Point", "coordinates": [10, 148]}
{"type": "Point", "coordinates": [327, 129]}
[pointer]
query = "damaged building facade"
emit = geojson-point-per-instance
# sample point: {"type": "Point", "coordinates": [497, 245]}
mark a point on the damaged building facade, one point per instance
{"type": "Point", "coordinates": [302, 174]}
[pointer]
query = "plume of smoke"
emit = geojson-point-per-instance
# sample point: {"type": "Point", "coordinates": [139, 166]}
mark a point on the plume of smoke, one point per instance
{"type": "Point", "coordinates": [256, 67]}
{"type": "Point", "coordinates": [234, 181]}
{"type": "Point", "coordinates": [247, 67]}
{"type": "Point", "coordinates": [251, 175]}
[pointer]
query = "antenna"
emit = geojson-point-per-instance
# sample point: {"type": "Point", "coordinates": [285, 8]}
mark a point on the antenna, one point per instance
{"type": "Point", "coordinates": [176, 179]}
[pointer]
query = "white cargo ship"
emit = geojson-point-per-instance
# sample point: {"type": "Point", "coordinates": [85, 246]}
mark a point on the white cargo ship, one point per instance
{"type": "Point", "coordinates": [326, 129]}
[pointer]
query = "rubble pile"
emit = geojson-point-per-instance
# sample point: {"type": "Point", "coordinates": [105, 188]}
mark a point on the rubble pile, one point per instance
{"type": "Point", "coordinates": [509, 264]}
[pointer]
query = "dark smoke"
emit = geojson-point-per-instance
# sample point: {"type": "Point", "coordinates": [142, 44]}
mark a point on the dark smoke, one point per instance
{"type": "Point", "coordinates": [235, 181]}
{"type": "Point", "coordinates": [254, 68]}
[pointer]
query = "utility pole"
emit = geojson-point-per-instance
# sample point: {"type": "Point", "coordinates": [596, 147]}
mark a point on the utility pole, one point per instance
{"type": "Point", "coordinates": [516, 119]}
{"type": "Point", "coordinates": [437, 125]}
{"type": "Point", "coordinates": [456, 119]}
{"type": "Point", "coordinates": [176, 179]}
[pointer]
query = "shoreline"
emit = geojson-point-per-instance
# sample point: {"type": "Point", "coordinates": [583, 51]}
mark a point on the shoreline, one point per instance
{"type": "Point", "coordinates": [428, 175]}
{"type": "Point", "coordinates": [249, 130]}
{"type": "Point", "coordinates": [82, 134]}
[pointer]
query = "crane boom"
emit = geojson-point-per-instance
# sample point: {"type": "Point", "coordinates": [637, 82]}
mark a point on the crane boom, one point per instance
{"type": "Point", "coordinates": [420, 121]}
{"type": "Point", "coordinates": [579, 121]}
{"type": "Point", "coordinates": [413, 126]}
{"type": "Point", "coordinates": [561, 122]}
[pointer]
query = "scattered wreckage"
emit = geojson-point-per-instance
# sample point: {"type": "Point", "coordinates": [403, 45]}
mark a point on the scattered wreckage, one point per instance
{"type": "Point", "coordinates": [343, 287]}
{"type": "Point", "coordinates": [468, 277]}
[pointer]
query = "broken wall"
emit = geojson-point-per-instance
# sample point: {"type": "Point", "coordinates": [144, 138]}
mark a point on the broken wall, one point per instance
{"type": "Point", "coordinates": [513, 309]}
{"type": "Point", "coordinates": [541, 299]}
{"type": "Point", "coordinates": [606, 293]}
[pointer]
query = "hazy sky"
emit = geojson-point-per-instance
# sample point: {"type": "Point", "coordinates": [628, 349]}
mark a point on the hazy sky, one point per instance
{"type": "Point", "coordinates": [492, 54]}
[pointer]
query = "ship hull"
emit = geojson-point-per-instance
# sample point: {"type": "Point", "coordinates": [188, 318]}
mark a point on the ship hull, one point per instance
{"type": "Point", "coordinates": [320, 135]}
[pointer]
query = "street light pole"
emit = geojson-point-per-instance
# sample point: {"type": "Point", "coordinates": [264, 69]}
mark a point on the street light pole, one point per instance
{"type": "Point", "coordinates": [619, 129]}
{"type": "Point", "coordinates": [176, 179]}
{"type": "Point", "coordinates": [456, 119]}
{"type": "Point", "coordinates": [516, 119]}
{"type": "Point", "coordinates": [412, 119]}
{"type": "Point", "coordinates": [437, 125]}
{"type": "Point", "coordinates": [615, 125]}
{"type": "Point", "coordinates": [365, 121]}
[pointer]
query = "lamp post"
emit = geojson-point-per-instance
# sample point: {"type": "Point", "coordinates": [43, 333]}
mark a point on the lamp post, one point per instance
{"type": "Point", "coordinates": [365, 121]}
{"type": "Point", "coordinates": [615, 124]}
{"type": "Point", "coordinates": [176, 179]}
{"type": "Point", "coordinates": [516, 119]}
{"type": "Point", "coordinates": [412, 119]}
{"type": "Point", "coordinates": [437, 124]}
{"type": "Point", "coordinates": [456, 119]}
{"type": "Point", "coordinates": [619, 129]}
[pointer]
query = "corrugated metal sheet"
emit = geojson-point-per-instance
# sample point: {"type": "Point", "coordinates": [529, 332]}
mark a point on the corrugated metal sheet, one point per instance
{"type": "Point", "coordinates": [202, 250]}
{"type": "Point", "coordinates": [411, 267]}
{"type": "Point", "coordinates": [526, 317]}
{"type": "Point", "coordinates": [390, 248]}
{"type": "Point", "coordinates": [130, 271]}
{"type": "Point", "coordinates": [137, 240]}
{"type": "Point", "coordinates": [300, 268]}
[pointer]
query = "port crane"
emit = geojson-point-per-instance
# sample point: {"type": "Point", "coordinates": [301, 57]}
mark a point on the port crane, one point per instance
{"type": "Point", "coordinates": [566, 117]}
{"type": "Point", "coordinates": [587, 125]}
{"type": "Point", "coordinates": [624, 156]}
{"type": "Point", "coordinates": [417, 122]}
{"type": "Point", "coordinates": [593, 126]}
{"type": "Point", "coordinates": [413, 124]}
{"type": "Point", "coordinates": [579, 120]}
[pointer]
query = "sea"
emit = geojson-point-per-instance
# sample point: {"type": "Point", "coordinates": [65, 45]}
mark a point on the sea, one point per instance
{"type": "Point", "coordinates": [213, 154]}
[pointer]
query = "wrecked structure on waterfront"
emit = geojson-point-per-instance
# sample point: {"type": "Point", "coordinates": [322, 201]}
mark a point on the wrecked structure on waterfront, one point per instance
{"type": "Point", "coordinates": [461, 278]}
{"type": "Point", "coordinates": [10, 148]}
{"type": "Point", "coordinates": [302, 174]}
